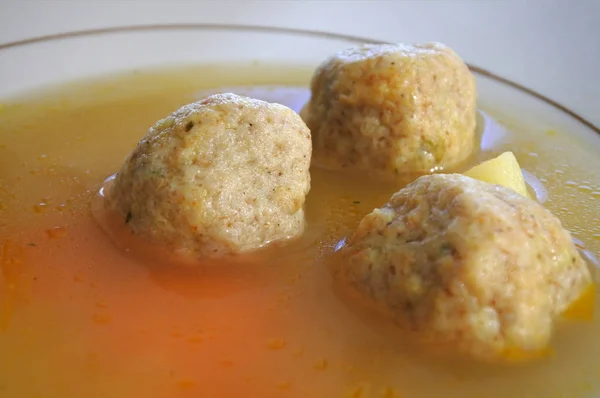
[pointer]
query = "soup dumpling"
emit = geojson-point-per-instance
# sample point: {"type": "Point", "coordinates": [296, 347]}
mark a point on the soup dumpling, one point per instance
{"type": "Point", "coordinates": [462, 262]}
{"type": "Point", "coordinates": [392, 109]}
{"type": "Point", "coordinates": [224, 175]}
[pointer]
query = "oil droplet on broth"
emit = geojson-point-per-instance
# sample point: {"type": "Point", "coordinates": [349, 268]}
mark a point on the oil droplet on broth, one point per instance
{"type": "Point", "coordinates": [321, 364]}
{"type": "Point", "coordinates": [276, 344]}
{"type": "Point", "coordinates": [358, 392]}
{"type": "Point", "coordinates": [389, 392]}
{"type": "Point", "coordinates": [102, 319]}
{"type": "Point", "coordinates": [40, 207]}
{"type": "Point", "coordinates": [56, 232]}
{"type": "Point", "coordinates": [186, 384]}
{"type": "Point", "coordinates": [284, 385]}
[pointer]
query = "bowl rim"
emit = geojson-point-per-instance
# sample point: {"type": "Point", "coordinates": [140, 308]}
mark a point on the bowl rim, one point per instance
{"type": "Point", "coordinates": [281, 30]}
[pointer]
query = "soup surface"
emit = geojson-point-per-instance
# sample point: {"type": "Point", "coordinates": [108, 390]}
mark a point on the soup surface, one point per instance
{"type": "Point", "coordinates": [82, 317]}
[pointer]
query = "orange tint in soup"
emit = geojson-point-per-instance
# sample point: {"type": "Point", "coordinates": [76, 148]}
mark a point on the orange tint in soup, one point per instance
{"type": "Point", "coordinates": [81, 317]}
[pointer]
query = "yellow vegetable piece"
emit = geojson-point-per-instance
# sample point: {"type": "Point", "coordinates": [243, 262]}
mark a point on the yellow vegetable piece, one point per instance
{"type": "Point", "coordinates": [582, 309]}
{"type": "Point", "coordinates": [503, 170]}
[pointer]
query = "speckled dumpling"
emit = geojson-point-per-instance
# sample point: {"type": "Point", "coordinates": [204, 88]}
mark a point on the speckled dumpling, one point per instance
{"type": "Point", "coordinates": [392, 108]}
{"type": "Point", "coordinates": [224, 175]}
{"type": "Point", "coordinates": [466, 263]}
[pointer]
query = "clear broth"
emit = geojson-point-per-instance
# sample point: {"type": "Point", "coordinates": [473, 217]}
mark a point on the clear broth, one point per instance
{"type": "Point", "coordinates": [81, 317]}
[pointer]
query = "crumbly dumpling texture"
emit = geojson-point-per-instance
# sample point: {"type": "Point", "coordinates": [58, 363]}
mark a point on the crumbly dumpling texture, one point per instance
{"type": "Point", "coordinates": [223, 175]}
{"type": "Point", "coordinates": [466, 263]}
{"type": "Point", "coordinates": [392, 108]}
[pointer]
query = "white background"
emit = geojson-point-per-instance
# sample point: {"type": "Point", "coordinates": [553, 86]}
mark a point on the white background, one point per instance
{"type": "Point", "coordinates": [550, 46]}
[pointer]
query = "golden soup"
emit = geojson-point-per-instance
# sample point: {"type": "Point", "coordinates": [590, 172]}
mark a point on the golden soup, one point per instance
{"type": "Point", "coordinates": [81, 317]}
